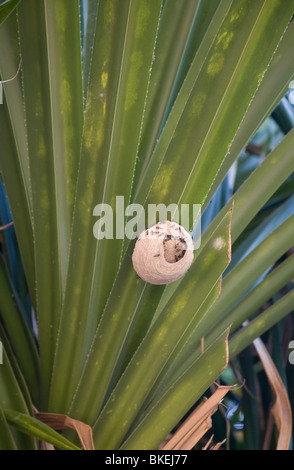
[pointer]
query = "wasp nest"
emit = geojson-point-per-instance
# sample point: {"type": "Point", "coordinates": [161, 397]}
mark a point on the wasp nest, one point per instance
{"type": "Point", "coordinates": [163, 253]}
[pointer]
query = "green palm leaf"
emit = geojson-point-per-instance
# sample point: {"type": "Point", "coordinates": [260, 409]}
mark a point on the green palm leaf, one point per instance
{"type": "Point", "coordinates": [152, 101]}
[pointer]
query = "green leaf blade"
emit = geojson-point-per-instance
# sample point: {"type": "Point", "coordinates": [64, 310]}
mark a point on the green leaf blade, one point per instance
{"type": "Point", "coordinates": [53, 147]}
{"type": "Point", "coordinates": [7, 441]}
{"type": "Point", "coordinates": [6, 8]}
{"type": "Point", "coordinates": [261, 324]}
{"type": "Point", "coordinates": [25, 348]}
{"type": "Point", "coordinates": [175, 24]}
{"type": "Point", "coordinates": [223, 89]}
{"type": "Point", "coordinates": [160, 341]}
{"type": "Point", "coordinates": [122, 57]}
{"type": "Point", "coordinates": [11, 396]}
{"type": "Point", "coordinates": [14, 162]}
{"type": "Point", "coordinates": [179, 398]}
{"type": "Point", "coordinates": [33, 427]}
